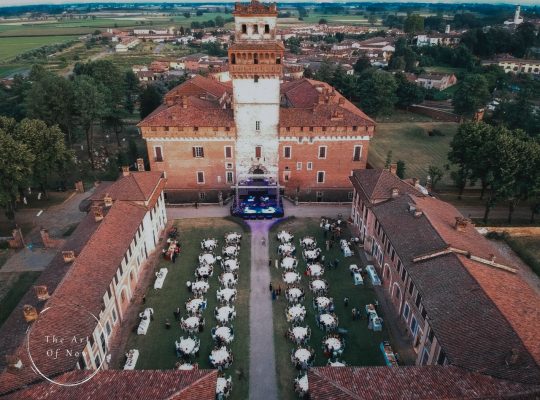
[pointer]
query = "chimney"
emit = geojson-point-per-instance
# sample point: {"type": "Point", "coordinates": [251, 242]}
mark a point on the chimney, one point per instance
{"type": "Point", "coordinates": [184, 102]}
{"type": "Point", "coordinates": [125, 170]}
{"type": "Point", "coordinates": [41, 292]}
{"type": "Point", "coordinates": [98, 212]}
{"type": "Point", "coordinates": [69, 256]}
{"type": "Point", "coordinates": [418, 213]}
{"type": "Point", "coordinates": [479, 115]}
{"type": "Point", "coordinates": [140, 165]}
{"type": "Point", "coordinates": [393, 168]}
{"type": "Point", "coordinates": [461, 224]}
{"type": "Point", "coordinates": [492, 257]}
{"type": "Point", "coordinates": [512, 358]}
{"type": "Point", "coordinates": [415, 182]}
{"type": "Point", "coordinates": [30, 313]}
{"type": "Point", "coordinates": [341, 101]}
{"type": "Point", "coordinates": [395, 192]}
{"type": "Point", "coordinates": [447, 28]}
{"type": "Point", "coordinates": [107, 200]}
{"type": "Point", "coordinates": [14, 363]}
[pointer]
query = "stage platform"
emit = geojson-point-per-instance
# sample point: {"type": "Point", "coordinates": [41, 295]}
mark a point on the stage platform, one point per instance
{"type": "Point", "coordinates": [257, 197]}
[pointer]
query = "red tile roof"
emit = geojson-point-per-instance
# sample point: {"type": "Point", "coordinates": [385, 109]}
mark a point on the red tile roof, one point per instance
{"type": "Point", "coordinates": [197, 384]}
{"type": "Point", "coordinates": [137, 186]}
{"type": "Point", "coordinates": [411, 383]}
{"type": "Point", "coordinates": [377, 184]}
{"type": "Point", "coordinates": [199, 85]}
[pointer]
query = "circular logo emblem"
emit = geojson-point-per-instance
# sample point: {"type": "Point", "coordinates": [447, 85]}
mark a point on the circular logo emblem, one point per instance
{"type": "Point", "coordinates": [55, 346]}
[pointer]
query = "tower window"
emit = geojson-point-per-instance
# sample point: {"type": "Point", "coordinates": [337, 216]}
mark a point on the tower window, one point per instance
{"type": "Point", "coordinates": [233, 58]}
{"type": "Point", "coordinates": [258, 151]}
{"type": "Point", "coordinates": [200, 177]}
{"type": "Point", "coordinates": [244, 28]}
{"type": "Point", "coordinates": [267, 28]}
{"type": "Point", "coordinates": [357, 153]}
{"type": "Point", "coordinates": [320, 176]}
{"type": "Point", "coordinates": [257, 125]}
{"type": "Point", "coordinates": [256, 29]}
{"type": "Point", "coordinates": [198, 151]}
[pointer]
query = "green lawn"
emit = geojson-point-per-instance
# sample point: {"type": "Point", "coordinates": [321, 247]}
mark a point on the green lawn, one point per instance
{"type": "Point", "coordinates": [403, 116]}
{"type": "Point", "coordinates": [17, 291]}
{"type": "Point", "coordinates": [410, 142]}
{"type": "Point", "coordinates": [439, 69]}
{"type": "Point", "coordinates": [362, 344]}
{"type": "Point", "coordinates": [157, 346]}
{"type": "Point", "coordinates": [528, 249]}
{"type": "Point", "coordinates": [11, 47]}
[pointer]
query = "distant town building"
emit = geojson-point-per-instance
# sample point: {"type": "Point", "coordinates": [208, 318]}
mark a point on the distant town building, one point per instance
{"type": "Point", "coordinates": [436, 81]}
{"type": "Point", "coordinates": [438, 39]}
{"type": "Point", "coordinates": [515, 65]}
{"type": "Point", "coordinates": [517, 20]}
{"type": "Point", "coordinates": [126, 43]}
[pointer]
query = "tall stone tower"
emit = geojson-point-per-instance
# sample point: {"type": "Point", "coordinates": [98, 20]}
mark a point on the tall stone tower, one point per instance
{"type": "Point", "coordinates": [255, 66]}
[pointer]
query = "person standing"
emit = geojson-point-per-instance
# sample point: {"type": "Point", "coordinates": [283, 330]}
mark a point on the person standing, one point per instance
{"type": "Point", "coordinates": [346, 301]}
{"type": "Point", "coordinates": [270, 286]}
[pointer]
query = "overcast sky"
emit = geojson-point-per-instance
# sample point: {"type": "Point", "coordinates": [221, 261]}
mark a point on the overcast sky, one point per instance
{"type": "Point", "coordinates": [28, 2]}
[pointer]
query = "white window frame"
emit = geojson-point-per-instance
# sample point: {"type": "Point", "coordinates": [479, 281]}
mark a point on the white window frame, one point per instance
{"type": "Point", "coordinates": [324, 176]}
{"type": "Point", "coordinates": [299, 166]}
{"type": "Point", "coordinates": [285, 154]}
{"type": "Point", "coordinates": [225, 152]}
{"type": "Point", "coordinates": [257, 125]}
{"type": "Point", "coordinates": [197, 177]}
{"type": "Point", "coordinates": [231, 175]}
{"type": "Point", "coordinates": [354, 151]}
{"type": "Point", "coordinates": [325, 152]}
{"type": "Point", "coordinates": [197, 154]}
{"type": "Point", "coordinates": [309, 166]}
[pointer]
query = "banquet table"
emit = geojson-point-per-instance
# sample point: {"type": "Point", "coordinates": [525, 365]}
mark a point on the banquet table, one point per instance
{"type": "Point", "coordinates": [291, 277]}
{"type": "Point", "coordinates": [188, 345]}
{"type": "Point", "coordinates": [233, 237]}
{"type": "Point", "coordinates": [204, 271]}
{"type": "Point", "coordinates": [345, 248]}
{"type": "Point", "coordinates": [223, 386]}
{"type": "Point", "coordinates": [230, 251]}
{"type": "Point", "coordinates": [373, 275]}
{"type": "Point", "coordinates": [328, 320]}
{"type": "Point", "coordinates": [302, 355]}
{"type": "Point", "coordinates": [284, 236]}
{"type": "Point", "coordinates": [191, 323]}
{"type": "Point", "coordinates": [308, 242]}
{"type": "Point", "coordinates": [207, 258]}
{"type": "Point", "coordinates": [312, 254]}
{"type": "Point", "coordinates": [294, 293]}
{"type": "Point", "coordinates": [195, 305]}
{"type": "Point", "coordinates": [200, 287]}
{"type": "Point", "coordinates": [286, 248]}
{"type": "Point", "coordinates": [228, 279]}
{"type": "Point", "coordinates": [160, 278]}
{"type": "Point", "coordinates": [219, 357]}
{"type": "Point", "coordinates": [132, 357]}
{"type": "Point", "coordinates": [231, 265]}
{"type": "Point", "coordinates": [358, 280]}
{"type": "Point", "coordinates": [315, 270]}
{"type": "Point", "coordinates": [225, 333]}
{"type": "Point", "coordinates": [333, 344]}
{"type": "Point", "coordinates": [222, 314]}
{"type": "Point", "coordinates": [336, 364]}
{"type": "Point", "coordinates": [289, 263]}
{"type": "Point", "coordinates": [322, 303]}
{"type": "Point", "coordinates": [186, 367]}
{"type": "Point", "coordinates": [302, 383]}
{"type": "Point", "coordinates": [300, 333]}
{"type": "Point", "coordinates": [296, 313]}
{"type": "Point", "coordinates": [209, 244]}
{"type": "Point", "coordinates": [317, 285]}
{"type": "Point", "coordinates": [226, 294]}
{"type": "Point", "coordinates": [146, 317]}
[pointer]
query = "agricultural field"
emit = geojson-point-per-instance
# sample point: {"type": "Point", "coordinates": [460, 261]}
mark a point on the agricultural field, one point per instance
{"type": "Point", "coordinates": [410, 142]}
{"type": "Point", "coordinates": [11, 47]}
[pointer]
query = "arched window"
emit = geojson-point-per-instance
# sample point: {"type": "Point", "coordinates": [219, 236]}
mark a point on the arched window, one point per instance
{"type": "Point", "coordinates": [233, 58]}
{"type": "Point", "coordinates": [255, 58]}
{"type": "Point", "coordinates": [244, 28]}
{"type": "Point", "coordinates": [256, 29]}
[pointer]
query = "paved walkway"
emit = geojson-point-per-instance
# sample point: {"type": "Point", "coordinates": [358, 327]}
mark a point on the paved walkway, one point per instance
{"type": "Point", "coordinates": [262, 362]}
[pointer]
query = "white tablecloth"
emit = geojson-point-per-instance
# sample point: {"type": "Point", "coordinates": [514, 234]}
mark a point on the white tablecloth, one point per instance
{"type": "Point", "coordinates": [296, 311]}
{"type": "Point", "coordinates": [286, 248]}
{"type": "Point", "coordinates": [133, 356]}
{"type": "Point", "coordinates": [207, 258]}
{"type": "Point", "coordinates": [233, 237]}
{"type": "Point", "coordinates": [219, 356]}
{"type": "Point", "coordinates": [318, 284]}
{"type": "Point", "coordinates": [204, 270]}
{"type": "Point", "coordinates": [228, 279]}
{"type": "Point", "coordinates": [315, 270]}
{"type": "Point", "coordinates": [373, 275]}
{"type": "Point", "coordinates": [195, 305]}
{"type": "Point", "coordinates": [191, 322]}
{"type": "Point", "coordinates": [291, 277]}
{"type": "Point", "coordinates": [303, 383]}
{"type": "Point", "coordinates": [294, 293]}
{"type": "Point", "coordinates": [288, 263]}
{"type": "Point", "coordinates": [186, 367]}
{"type": "Point", "coordinates": [231, 264]}
{"type": "Point", "coordinates": [145, 321]}
{"type": "Point", "coordinates": [284, 236]}
{"type": "Point", "coordinates": [223, 313]}
{"type": "Point", "coordinates": [226, 294]}
{"type": "Point", "coordinates": [200, 286]}
{"type": "Point", "coordinates": [308, 242]}
{"type": "Point", "coordinates": [225, 333]}
{"type": "Point", "coordinates": [230, 250]}
{"type": "Point", "coordinates": [302, 355]}
{"type": "Point", "coordinates": [327, 319]}
{"type": "Point", "coordinates": [188, 346]}
{"type": "Point", "coordinates": [333, 344]}
{"type": "Point", "coordinates": [322, 302]}
{"type": "Point", "coordinates": [300, 332]}
{"type": "Point", "coordinates": [209, 244]}
{"type": "Point", "coordinates": [160, 278]}
{"type": "Point", "coordinates": [312, 254]}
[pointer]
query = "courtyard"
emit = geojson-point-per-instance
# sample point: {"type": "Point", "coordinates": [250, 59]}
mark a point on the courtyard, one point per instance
{"type": "Point", "coordinates": [157, 347]}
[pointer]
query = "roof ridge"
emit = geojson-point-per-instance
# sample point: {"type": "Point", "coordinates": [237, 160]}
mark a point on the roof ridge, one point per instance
{"type": "Point", "coordinates": [339, 387]}
{"type": "Point", "coordinates": [202, 378]}
{"type": "Point", "coordinates": [132, 175]}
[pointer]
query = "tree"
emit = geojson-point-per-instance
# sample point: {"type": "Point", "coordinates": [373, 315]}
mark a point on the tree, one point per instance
{"type": "Point", "coordinates": [325, 71]}
{"type": "Point", "coordinates": [16, 162]}
{"type": "Point", "coordinates": [388, 161]}
{"type": "Point", "coordinates": [220, 21]}
{"type": "Point", "coordinates": [149, 100]}
{"type": "Point", "coordinates": [187, 15]}
{"type": "Point", "coordinates": [408, 93]}
{"type": "Point", "coordinates": [435, 174]}
{"type": "Point", "coordinates": [400, 169]}
{"type": "Point", "coordinates": [47, 145]}
{"type": "Point", "coordinates": [414, 23]}
{"type": "Point", "coordinates": [90, 106]}
{"type": "Point", "coordinates": [323, 21]}
{"type": "Point", "coordinates": [377, 92]}
{"type": "Point", "coordinates": [362, 64]}
{"type": "Point", "coordinates": [199, 13]}
{"type": "Point", "coordinates": [471, 94]}
{"type": "Point", "coordinates": [372, 19]}
{"type": "Point", "coordinates": [51, 99]}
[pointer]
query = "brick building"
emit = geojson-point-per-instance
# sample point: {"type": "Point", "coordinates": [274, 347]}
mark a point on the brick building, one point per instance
{"type": "Point", "coordinates": [208, 135]}
{"type": "Point", "coordinates": [95, 275]}
{"type": "Point", "coordinates": [462, 301]}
